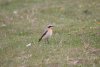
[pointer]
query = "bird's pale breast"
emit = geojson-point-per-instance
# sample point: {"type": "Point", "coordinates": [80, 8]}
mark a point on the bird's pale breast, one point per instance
{"type": "Point", "coordinates": [48, 34]}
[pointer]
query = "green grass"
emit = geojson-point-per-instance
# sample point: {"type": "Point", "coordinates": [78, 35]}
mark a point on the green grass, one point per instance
{"type": "Point", "coordinates": [75, 41]}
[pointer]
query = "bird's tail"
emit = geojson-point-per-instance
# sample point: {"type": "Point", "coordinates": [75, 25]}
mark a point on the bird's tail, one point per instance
{"type": "Point", "coordinates": [40, 39]}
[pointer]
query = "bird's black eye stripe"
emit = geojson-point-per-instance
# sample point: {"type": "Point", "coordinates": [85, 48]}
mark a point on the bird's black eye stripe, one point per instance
{"type": "Point", "coordinates": [50, 26]}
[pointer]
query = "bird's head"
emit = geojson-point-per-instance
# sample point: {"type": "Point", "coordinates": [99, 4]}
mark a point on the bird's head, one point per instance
{"type": "Point", "coordinates": [50, 26]}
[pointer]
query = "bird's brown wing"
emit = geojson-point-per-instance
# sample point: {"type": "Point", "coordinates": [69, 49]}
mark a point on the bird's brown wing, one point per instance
{"type": "Point", "coordinates": [42, 36]}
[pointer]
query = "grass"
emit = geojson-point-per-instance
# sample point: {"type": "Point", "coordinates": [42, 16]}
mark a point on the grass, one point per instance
{"type": "Point", "coordinates": [75, 42]}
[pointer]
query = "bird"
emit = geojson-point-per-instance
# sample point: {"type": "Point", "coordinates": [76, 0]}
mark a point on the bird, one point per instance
{"type": "Point", "coordinates": [47, 34]}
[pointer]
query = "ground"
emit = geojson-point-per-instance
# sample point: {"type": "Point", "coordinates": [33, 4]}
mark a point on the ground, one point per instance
{"type": "Point", "coordinates": [76, 33]}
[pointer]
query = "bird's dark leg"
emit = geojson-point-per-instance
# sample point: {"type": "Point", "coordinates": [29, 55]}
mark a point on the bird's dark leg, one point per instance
{"type": "Point", "coordinates": [47, 40]}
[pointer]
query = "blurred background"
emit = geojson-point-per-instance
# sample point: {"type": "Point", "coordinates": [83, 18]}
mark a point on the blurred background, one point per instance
{"type": "Point", "coordinates": [75, 41]}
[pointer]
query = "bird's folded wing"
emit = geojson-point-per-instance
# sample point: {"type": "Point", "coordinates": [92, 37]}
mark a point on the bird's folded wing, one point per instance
{"type": "Point", "coordinates": [43, 35]}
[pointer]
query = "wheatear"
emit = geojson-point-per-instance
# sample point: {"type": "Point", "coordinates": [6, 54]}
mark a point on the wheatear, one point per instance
{"type": "Point", "coordinates": [47, 34]}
